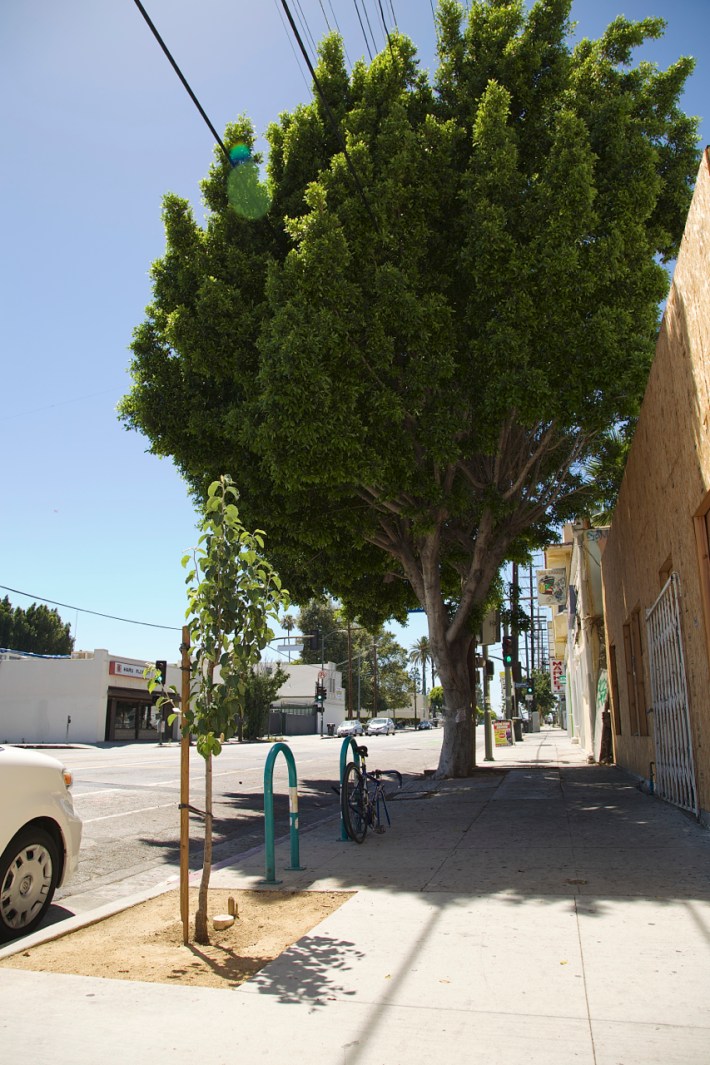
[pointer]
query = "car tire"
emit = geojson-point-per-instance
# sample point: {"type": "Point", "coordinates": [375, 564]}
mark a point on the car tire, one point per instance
{"type": "Point", "coordinates": [29, 869]}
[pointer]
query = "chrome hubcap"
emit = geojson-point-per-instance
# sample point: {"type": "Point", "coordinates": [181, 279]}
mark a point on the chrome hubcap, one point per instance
{"type": "Point", "coordinates": [26, 886]}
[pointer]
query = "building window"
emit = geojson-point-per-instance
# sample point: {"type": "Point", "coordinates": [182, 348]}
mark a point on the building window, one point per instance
{"type": "Point", "coordinates": [635, 682]}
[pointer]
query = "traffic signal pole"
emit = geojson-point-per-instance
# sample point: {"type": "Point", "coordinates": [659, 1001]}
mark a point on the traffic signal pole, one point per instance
{"type": "Point", "coordinates": [507, 667]}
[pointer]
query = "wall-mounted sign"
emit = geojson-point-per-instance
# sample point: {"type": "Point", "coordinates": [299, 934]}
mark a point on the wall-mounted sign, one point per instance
{"type": "Point", "coordinates": [551, 586]}
{"type": "Point", "coordinates": [126, 669]}
{"type": "Point", "coordinates": [557, 675]}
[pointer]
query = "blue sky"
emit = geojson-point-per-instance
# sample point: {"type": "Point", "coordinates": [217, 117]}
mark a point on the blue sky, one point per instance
{"type": "Point", "coordinates": [95, 129]}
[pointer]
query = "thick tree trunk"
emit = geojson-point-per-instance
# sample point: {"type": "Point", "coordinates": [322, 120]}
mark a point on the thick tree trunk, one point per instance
{"type": "Point", "coordinates": [458, 749]}
{"type": "Point", "coordinates": [202, 934]}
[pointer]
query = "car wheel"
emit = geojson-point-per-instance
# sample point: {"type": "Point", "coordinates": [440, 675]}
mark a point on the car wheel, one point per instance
{"type": "Point", "coordinates": [28, 876]}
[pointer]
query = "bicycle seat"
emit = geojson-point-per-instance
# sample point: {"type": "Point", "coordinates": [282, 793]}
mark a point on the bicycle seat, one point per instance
{"type": "Point", "coordinates": [362, 751]}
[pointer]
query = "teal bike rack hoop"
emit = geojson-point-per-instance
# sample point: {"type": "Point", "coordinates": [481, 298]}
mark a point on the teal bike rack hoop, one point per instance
{"type": "Point", "coordinates": [270, 877]}
{"type": "Point", "coordinates": [347, 742]}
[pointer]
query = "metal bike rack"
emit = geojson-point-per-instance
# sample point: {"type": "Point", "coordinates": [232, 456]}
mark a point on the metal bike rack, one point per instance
{"type": "Point", "coordinates": [347, 742]}
{"type": "Point", "coordinates": [295, 865]}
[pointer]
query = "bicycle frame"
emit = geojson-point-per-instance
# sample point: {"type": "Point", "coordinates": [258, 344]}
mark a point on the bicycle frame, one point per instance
{"type": "Point", "coordinates": [361, 795]}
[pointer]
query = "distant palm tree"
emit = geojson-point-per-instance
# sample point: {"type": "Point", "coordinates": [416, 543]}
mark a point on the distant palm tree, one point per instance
{"type": "Point", "coordinates": [288, 622]}
{"type": "Point", "coordinates": [419, 655]}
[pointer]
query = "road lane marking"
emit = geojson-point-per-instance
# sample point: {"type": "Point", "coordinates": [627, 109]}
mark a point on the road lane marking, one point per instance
{"type": "Point", "coordinates": [129, 813]}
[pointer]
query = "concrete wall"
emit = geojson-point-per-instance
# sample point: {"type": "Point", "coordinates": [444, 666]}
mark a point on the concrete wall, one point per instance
{"type": "Point", "coordinates": [665, 487]}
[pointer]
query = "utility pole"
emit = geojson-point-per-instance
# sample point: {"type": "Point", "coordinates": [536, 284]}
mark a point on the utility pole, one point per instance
{"type": "Point", "coordinates": [514, 603]}
{"type": "Point", "coordinates": [350, 672]}
{"type": "Point", "coordinates": [532, 624]}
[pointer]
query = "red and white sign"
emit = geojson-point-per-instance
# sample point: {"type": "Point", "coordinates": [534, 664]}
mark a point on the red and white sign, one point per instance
{"type": "Point", "coordinates": [125, 669]}
{"type": "Point", "coordinates": [557, 675]}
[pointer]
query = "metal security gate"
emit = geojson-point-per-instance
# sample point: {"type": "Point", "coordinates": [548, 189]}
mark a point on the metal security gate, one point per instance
{"type": "Point", "coordinates": [675, 768]}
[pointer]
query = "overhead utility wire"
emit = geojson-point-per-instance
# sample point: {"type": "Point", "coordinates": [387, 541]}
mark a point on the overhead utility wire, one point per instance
{"type": "Point", "coordinates": [335, 20]}
{"type": "Point", "coordinates": [331, 116]}
{"type": "Point", "coordinates": [324, 14]}
{"type": "Point", "coordinates": [384, 25]}
{"type": "Point", "coordinates": [362, 27]}
{"type": "Point", "coordinates": [180, 74]}
{"type": "Point", "coordinates": [289, 38]}
{"type": "Point", "coordinates": [306, 28]}
{"type": "Point", "coordinates": [96, 613]}
{"type": "Point", "coordinates": [369, 25]}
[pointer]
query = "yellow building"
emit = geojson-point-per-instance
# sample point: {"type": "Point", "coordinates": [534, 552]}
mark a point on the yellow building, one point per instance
{"type": "Point", "coordinates": [656, 565]}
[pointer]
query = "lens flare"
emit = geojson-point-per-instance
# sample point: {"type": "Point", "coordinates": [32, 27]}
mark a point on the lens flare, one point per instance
{"type": "Point", "coordinates": [239, 154]}
{"type": "Point", "coordinates": [247, 196]}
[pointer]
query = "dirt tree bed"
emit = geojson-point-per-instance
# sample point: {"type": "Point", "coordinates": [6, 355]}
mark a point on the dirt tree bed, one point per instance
{"type": "Point", "coordinates": [145, 942]}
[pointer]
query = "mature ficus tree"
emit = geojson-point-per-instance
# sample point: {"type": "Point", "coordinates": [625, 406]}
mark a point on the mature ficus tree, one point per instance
{"type": "Point", "coordinates": [408, 364]}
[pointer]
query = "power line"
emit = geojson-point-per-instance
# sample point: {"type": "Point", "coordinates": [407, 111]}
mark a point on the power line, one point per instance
{"type": "Point", "coordinates": [337, 26]}
{"type": "Point", "coordinates": [96, 613]}
{"type": "Point", "coordinates": [182, 77]}
{"type": "Point", "coordinates": [292, 46]}
{"type": "Point", "coordinates": [362, 27]}
{"type": "Point", "coordinates": [306, 28]}
{"type": "Point", "coordinates": [369, 26]}
{"type": "Point", "coordinates": [331, 116]}
{"type": "Point", "coordinates": [384, 24]}
{"type": "Point", "coordinates": [324, 14]}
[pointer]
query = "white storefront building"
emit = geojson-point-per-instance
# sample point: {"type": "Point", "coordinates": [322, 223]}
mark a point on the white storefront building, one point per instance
{"type": "Point", "coordinates": [99, 697]}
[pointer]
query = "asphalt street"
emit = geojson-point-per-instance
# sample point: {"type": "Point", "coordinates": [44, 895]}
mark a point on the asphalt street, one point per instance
{"type": "Point", "coordinates": [127, 797]}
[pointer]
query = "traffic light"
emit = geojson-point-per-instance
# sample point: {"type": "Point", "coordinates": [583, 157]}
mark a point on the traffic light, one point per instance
{"type": "Point", "coordinates": [490, 668]}
{"type": "Point", "coordinates": [314, 640]}
{"type": "Point", "coordinates": [530, 687]}
{"type": "Point", "coordinates": [320, 697]}
{"type": "Point", "coordinates": [508, 650]}
{"type": "Point", "coordinates": [161, 670]}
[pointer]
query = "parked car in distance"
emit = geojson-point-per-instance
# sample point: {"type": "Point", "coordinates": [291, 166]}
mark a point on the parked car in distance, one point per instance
{"type": "Point", "coordinates": [40, 836]}
{"type": "Point", "coordinates": [380, 726]}
{"type": "Point", "coordinates": [424, 724]}
{"type": "Point", "coordinates": [349, 728]}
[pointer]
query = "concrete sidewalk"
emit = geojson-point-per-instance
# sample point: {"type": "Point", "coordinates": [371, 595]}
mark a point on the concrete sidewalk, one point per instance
{"type": "Point", "coordinates": [543, 911]}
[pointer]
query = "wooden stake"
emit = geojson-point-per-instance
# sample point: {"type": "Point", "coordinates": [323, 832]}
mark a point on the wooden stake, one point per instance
{"type": "Point", "coordinates": [185, 791]}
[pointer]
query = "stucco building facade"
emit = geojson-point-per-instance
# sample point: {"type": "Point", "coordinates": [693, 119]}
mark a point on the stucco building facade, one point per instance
{"type": "Point", "coordinates": [576, 636]}
{"type": "Point", "coordinates": [99, 697]}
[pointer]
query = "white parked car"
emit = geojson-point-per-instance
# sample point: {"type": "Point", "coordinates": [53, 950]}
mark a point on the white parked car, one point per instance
{"type": "Point", "coordinates": [381, 726]}
{"type": "Point", "coordinates": [39, 837]}
{"type": "Point", "coordinates": [349, 728]}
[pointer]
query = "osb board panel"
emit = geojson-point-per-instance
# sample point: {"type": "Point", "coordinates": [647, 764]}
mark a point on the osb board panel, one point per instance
{"type": "Point", "coordinates": [667, 477]}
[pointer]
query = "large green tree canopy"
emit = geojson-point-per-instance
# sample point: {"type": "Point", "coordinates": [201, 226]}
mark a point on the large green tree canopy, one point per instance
{"type": "Point", "coordinates": [37, 630]}
{"type": "Point", "coordinates": [408, 363]}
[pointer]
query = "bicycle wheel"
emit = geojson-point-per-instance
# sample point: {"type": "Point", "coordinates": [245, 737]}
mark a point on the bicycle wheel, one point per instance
{"type": "Point", "coordinates": [353, 803]}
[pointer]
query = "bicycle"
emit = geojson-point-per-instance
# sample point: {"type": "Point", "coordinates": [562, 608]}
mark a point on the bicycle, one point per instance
{"type": "Point", "coordinates": [361, 797]}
